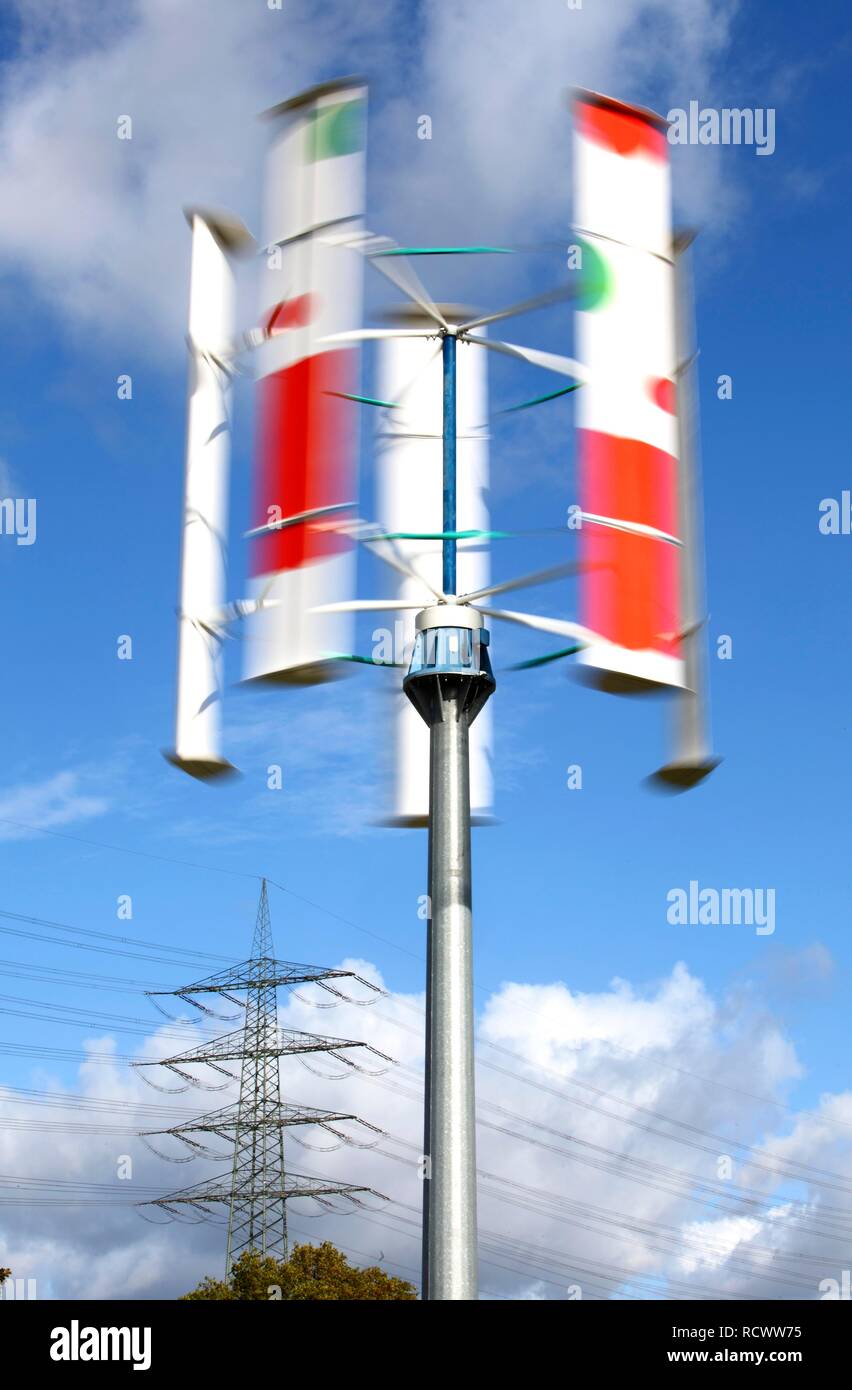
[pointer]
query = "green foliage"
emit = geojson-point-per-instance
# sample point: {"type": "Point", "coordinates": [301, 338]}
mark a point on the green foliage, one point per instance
{"type": "Point", "coordinates": [313, 1273]}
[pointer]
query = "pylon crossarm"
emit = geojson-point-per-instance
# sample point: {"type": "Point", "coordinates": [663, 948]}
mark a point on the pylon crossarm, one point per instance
{"type": "Point", "coordinates": [297, 1185]}
{"type": "Point", "coordinates": [264, 974]}
{"type": "Point", "coordinates": [232, 1048]}
{"type": "Point", "coordinates": [225, 1122]}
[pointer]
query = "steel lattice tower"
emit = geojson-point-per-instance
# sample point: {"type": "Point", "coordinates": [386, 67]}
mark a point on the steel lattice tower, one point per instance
{"type": "Point", "coordinates": [256, 1219]}
{"type": "Point", "coordinates": [258, 1188]}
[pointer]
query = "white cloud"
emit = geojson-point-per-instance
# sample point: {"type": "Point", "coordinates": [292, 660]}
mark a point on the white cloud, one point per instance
{"type": "Point", "coordinates": [495, 77]}
{"type": "Point", "coordinates": [95, 223]}
{"type": "Point", "coordinates": [569, 1022]}
{"type": "Point", "coordinates": [721, 1239]}
{"type": "Point", "coordinates": [597, 1117]}
{"type": "Point", "coordinates": [56, 801]}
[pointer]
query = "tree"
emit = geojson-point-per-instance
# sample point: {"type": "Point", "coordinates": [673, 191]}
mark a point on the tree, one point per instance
{"type": "Point", "coordinates": [4, 1275]}
{"type": "Point", "coordinates": [312, 1273]}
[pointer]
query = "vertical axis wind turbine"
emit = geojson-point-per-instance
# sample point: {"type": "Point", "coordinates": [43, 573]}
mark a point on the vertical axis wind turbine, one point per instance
{"type": "Point", "coordinates": [639, 562]}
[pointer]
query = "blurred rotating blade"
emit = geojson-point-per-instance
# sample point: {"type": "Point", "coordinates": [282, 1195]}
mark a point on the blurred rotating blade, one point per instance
{"type": "Point", "coordinates": [368, 605]}
{"type": "Point", "coordinates": [551, 361]}
{"type": "Point", "coordinates": [525, 581]}
{"type": "Point", "coordinates": [560, 627]}
{"type": "Point", "coordinates": [403, 275]}
{"type": "Point", "coordinates": [538, 301]}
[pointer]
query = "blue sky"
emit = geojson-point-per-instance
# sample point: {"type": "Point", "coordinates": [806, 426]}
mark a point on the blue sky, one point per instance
{"type": "Point", "coordinates": [570, 886]}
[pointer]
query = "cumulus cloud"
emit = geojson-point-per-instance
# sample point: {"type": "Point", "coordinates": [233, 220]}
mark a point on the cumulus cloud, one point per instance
{"type": "Point", "coordinates": [629, 1141]}
{"type": "Point", "coordinates": [94, 222]}
{"type": "Point", "coordinates": [63, 799]}
{"type": "Point", "coordinates": [495, 77]}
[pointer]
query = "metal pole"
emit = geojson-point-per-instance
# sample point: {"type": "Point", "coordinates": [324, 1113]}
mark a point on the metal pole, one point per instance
{"type": "Point", "coordinates": [693, 757]}
{"type": "Point", "coordinates": [452, 1252]}
{"type": "Point", "coordinates": [448, 685]}
{"type": "Point", "coordinates": [692, 741]}
{"type": "Point", "coordinates": [449, 363]}
{"type": "Point", "coordinates": [427, 1089]}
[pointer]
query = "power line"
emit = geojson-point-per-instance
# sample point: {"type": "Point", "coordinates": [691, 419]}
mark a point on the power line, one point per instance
{"type": "Point", "coordinates": [124, 849]}
{"type": "Point", "coordinates": [338, 917]}
{"type": "Point", "coordinates": [109, 936]}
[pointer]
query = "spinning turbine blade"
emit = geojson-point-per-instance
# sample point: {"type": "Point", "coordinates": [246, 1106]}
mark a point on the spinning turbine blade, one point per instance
{"type": "Point", "coordinates": [375, 249]}
{"type": "Point", "coordinates": [368, 605]}
{"type": "Point", "coordinates": [627, 414]}
{"type": "Point", "coordinates": [446, 251]}
{"type": "Point", "coordinates": [409, 504]}
{"type": "Point", "coordinates": [525, 581]}
{"type": "Point", "coordinates": [539, 400]}
{"type": "Point", "coordinates": [692, 758]}
{"type": "Point", "coordinates": [539, 301]}
{"type": "Point", "coordinates": [215, 239]}
{"type": "Point", "coordinates": [633, 528]}
{"type": "Point", "coordinates": [561, 627]}
{"type": "Point", "coordinates": [535, 661]}
{"type": "Point", "coordinates": [314, 515]}
{"type": "Point", "coordinates": [402, 393]}
{"type": "Point", "coordinates": [401, 274]}
{"type": "Point", "coordinates": [364, 335]}
{"type": "Point", "coordinates": [308, 367]}
{"type": "Point", "coordinates": [398, 562]}
{"type": "Point", "coordinates": [551, 361]}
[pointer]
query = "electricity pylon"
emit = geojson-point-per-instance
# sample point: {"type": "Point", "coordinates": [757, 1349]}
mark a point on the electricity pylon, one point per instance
{"type": "Point", "coordinates": [259, 1186]}
{"type": "Point", "coordinates": [255, 1220]}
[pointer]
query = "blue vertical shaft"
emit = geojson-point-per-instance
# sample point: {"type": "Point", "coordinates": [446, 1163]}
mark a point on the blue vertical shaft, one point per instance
{"type": "Point", "coordinates": [449, 360]}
